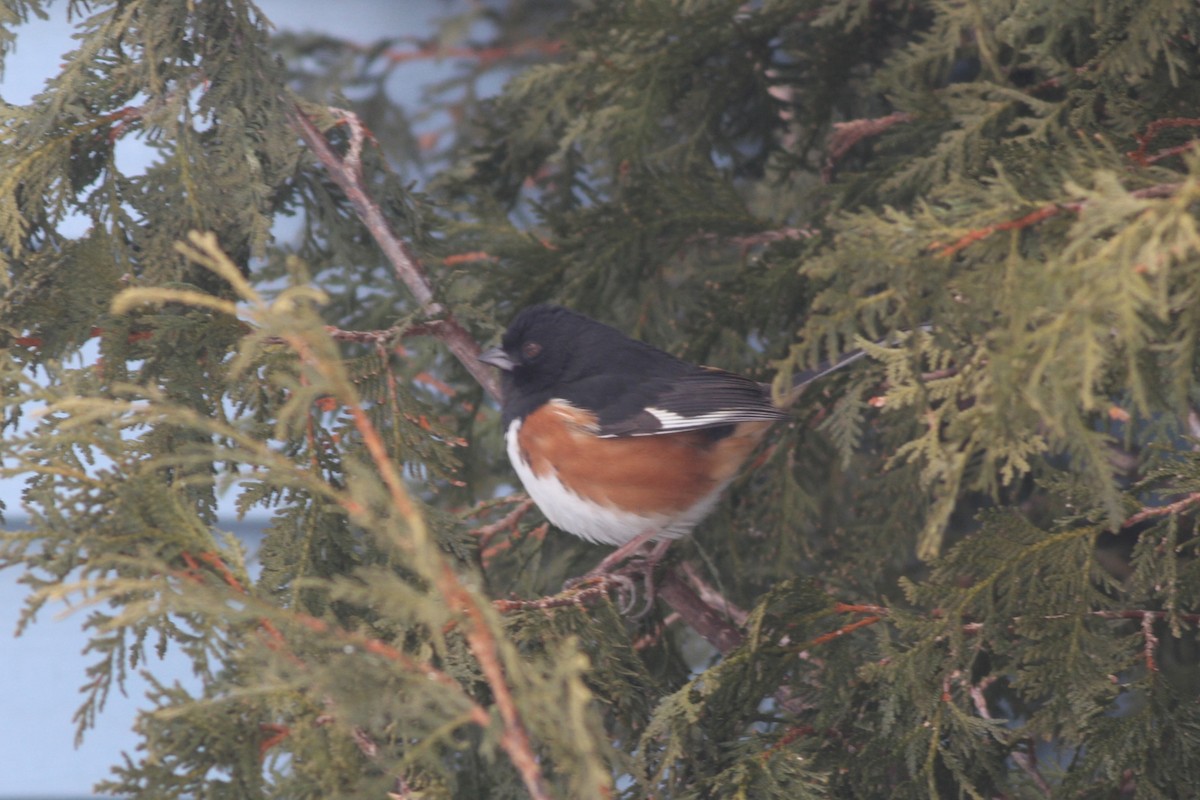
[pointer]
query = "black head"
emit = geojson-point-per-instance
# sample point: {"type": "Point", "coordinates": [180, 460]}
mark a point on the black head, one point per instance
{"type": "Point", "coordinates": [547, 350]}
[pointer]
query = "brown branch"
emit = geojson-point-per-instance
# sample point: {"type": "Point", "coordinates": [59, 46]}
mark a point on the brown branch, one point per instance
{"type": "Point", "coordinates": [1160, 190]}
{"type": "Point", "coordinates": [1162, 511]}
{"type": "Point", "coordinates": [711, 597]}
{"type": "Point", "coordinates": [825, 638]}
{"type": "Point", "coordinates": [515, 740]}
{"type": "Point", "coordinates": [704, 619]}
{"type": "Point", "coordinates": [346, 172]}
{"type": "Point", "coordinates": [582, 595]}
{"type": "Point", "coordinates": [1151, 642]}
{"type": "Point", "coordinates": [847, 134]}
{"type": "Point", "coordinates": [1023, 760]}
{"type": "Point", "coordinates": [485, 533]}
{"type": "Point", "coordinates": [1032, 218]}
{"type": "Point", "coordinates": [1140, 156]}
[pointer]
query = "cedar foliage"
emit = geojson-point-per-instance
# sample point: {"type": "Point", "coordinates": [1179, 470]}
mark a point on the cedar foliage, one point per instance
{"type": "Point", "coordinates": [968, 562]}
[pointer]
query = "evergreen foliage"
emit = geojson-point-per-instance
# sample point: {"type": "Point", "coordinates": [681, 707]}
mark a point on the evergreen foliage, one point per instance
{"type": "Point", "coordinates": [968, 563]}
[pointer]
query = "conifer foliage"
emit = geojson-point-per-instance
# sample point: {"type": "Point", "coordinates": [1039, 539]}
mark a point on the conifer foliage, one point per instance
{"type": "Point", "coordinates": [965, 568]}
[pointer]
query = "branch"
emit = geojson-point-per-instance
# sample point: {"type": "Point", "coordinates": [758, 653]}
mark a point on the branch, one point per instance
{"type": "Point", "coordinates": [1162, 511]}
{"type": "Point", "coordinates": [346, 172]}
{"type": "Point", "coordinates": [1023, 760]}
{"type": "Point", "coordinates": [847, 134]}
{"type": "Point", "coordinates": [515, 740]}
{"type": "Point", "coordinates": [1140, 156]}
{"type": "Point", "coordinates": [1034, 217]}
{"type": "Point", "coordinates": [704, 619]}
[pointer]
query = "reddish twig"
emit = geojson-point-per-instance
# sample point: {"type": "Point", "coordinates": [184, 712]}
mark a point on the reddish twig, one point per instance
{"type": "Point", "coordinates": [652, 637]}
{"type": "Point", "coordinates": [1151, 642]}
{"type": "Point", "coordinates": [825, 638]}
{"type": "Point", "coordinates": [123, 118]}
{"type": "Point", "coordinates": [1162, 511]}
{"type": "Point", "coordinates": [1032, 218]}
{"type": "Point", "coordinates": [485, 533]}
{"type": "Point", "coordinates": [278, 734]}
{"type": "Point", "coordinates": [789, 736]}
{"type": "Point", "coordinates": [1140, 156]}
{"type": "Point", "coordinates": [1040, 215]}
{"type": "Point", "coordinates": [487, 555]}
{"type": "Point", "coordinates": [588, 591]}
{"type": "Point", "coordinates": [515, 740]}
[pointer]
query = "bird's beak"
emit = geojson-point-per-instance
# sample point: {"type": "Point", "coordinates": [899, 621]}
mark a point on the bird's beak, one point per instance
{"type": "Point", "coordinates": [497, 358]}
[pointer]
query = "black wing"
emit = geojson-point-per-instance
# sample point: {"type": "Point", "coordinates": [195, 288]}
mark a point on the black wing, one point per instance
{"type": "Point", "coordinates": [700, 398]}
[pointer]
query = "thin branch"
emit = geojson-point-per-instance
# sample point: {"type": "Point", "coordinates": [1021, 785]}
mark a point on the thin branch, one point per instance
{"type": "Point", "coordinates": [704, 619]}
{"type": "Point", "coordinates": [711, 597]}
{"type": "Point", "coordinates": [847, 134]}
{"type": "Point", "coordinates": [1023, 760]}
{"type": "Point", "coordinates": [1047, 211]}
{"type": "Point", "coordinates": [581, 596]}
{"type": "Point", "coordinates": [484, 647]}
{"type": "Point", "coordinates": [1140, 155]}
{"type": "Point", "coordinates": [346, 172]}
{"type": "Point", "coordinates": [1161, 511]}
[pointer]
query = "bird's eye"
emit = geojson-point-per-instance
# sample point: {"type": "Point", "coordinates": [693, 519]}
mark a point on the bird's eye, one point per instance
{"type": "Point", "coordinates": [530, 351]}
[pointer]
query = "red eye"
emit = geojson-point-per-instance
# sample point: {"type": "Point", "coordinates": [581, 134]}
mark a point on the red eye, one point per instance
{"type": "Point", "coordinates": [530, 351]}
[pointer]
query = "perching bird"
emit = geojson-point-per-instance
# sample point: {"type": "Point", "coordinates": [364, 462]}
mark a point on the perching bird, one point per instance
{"type": "Point", "coordinates": [615, 440]}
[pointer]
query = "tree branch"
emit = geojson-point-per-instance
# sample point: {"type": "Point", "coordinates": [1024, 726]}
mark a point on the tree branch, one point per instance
{"type": "Point", "coordinates": [346, 172]}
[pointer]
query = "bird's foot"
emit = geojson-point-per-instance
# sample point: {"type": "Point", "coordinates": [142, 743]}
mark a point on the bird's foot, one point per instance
{"type": "Point", "coordinates": [641, 559]}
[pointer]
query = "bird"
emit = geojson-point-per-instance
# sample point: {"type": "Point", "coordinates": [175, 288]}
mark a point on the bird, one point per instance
{"type": "Point", "coordinates": [616, 441]}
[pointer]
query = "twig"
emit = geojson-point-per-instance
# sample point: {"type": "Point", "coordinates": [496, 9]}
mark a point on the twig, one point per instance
{"type": "Point", "coordinates": [825, 638]}
{"type": "Point", "coordinates": [592, 590]}
{"type": "Point", "coordinates": [515, 740]}
{"type": "Point", "coordinates": [481, 55]}
{"type": "Point", "coordinates": [1151, 642]}
{"type": "Point", "coordinates": [651, 637]}
{"type": "Point", "coordinates": [1023, 760]}
{"type": "Point", "coordinates": [1034, 217]}
{"type": "Point", "coordinates": [485, 533]}
{"type": "Point", "coordinates": [847, 134]}
{"type": "Point", "coordinates": [705, 620]}
{"type": "Point", "coordinates": [1161, 511]}
{"type": "Point", "coordinates": [711, 597]}
{"type": "Point", "coordinates": [1140, 155]}
{"type": "Point", "coordinates": [347, 174]}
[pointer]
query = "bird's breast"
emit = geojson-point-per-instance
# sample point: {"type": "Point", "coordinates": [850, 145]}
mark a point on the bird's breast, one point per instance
{"type": "Point", "coordinates": [609, 490]}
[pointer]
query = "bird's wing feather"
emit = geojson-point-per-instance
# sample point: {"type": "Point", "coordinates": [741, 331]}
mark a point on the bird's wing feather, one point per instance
{"type": "Point", "coordinates": [700, 399]}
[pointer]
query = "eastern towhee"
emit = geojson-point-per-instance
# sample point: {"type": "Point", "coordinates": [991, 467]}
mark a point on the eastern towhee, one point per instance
{"type": "Point", "coordinates": [617, 441]}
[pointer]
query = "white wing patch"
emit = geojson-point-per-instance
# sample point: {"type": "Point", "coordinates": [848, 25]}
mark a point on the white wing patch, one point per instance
{"type": "Point", "coordinates": [671, 421]}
